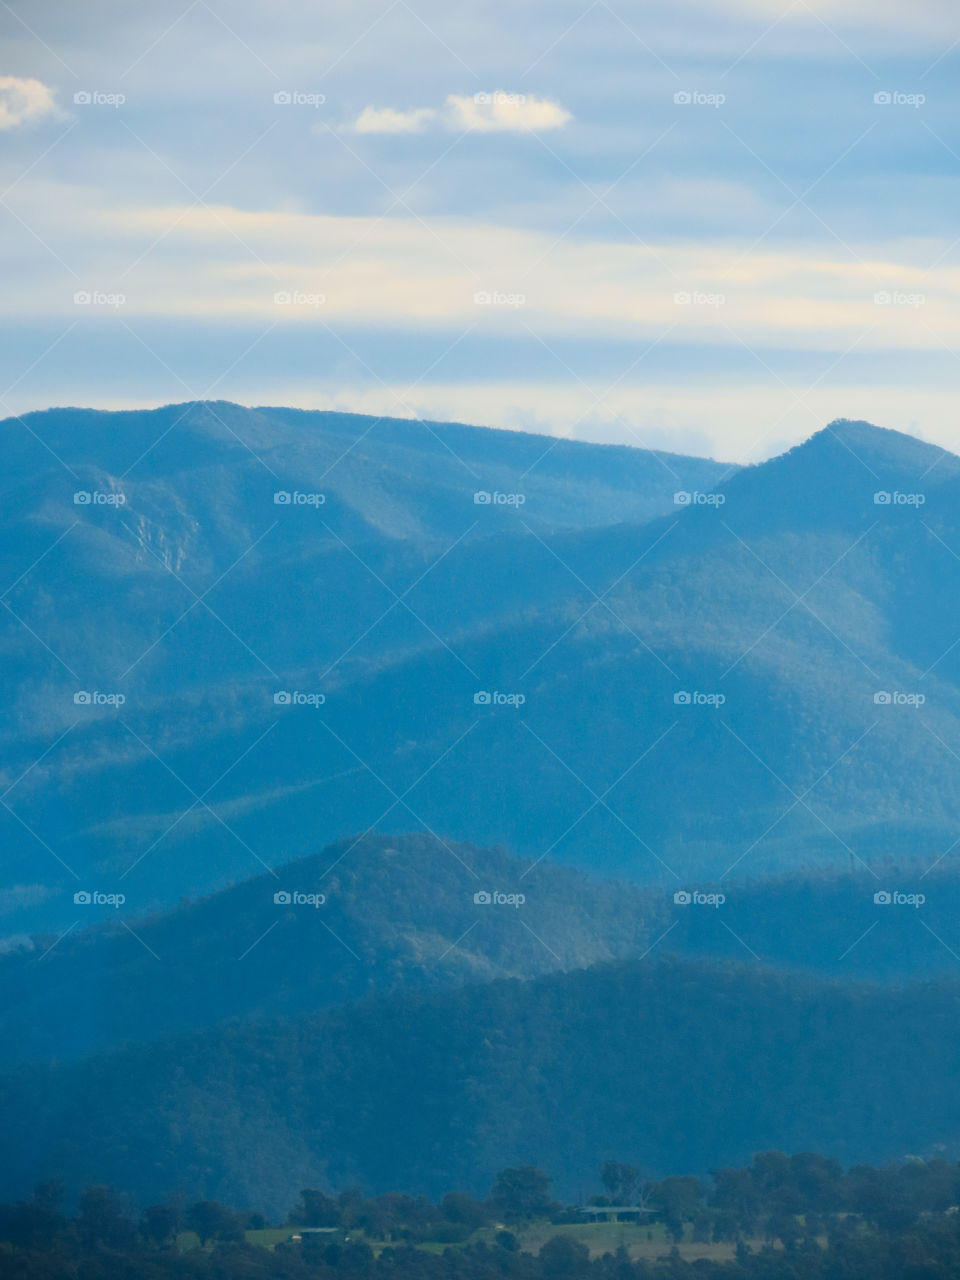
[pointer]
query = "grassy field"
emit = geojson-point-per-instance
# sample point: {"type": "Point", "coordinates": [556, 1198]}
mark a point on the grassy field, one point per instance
{"type": "Point", "coordinates": [649, 1240]}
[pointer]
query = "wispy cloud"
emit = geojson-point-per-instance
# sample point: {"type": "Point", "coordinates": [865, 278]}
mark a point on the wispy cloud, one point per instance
{"type": "Point", "coordinates": [493, 112]}
{"type": "Point", "coordinates": [387, 120]}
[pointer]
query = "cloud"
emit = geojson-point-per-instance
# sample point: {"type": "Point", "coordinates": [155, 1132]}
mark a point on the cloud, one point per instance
{"type": "Point", "coordinates": [386, 120]}
{"type": "Point", "coordinates": [23, 100]}
{"type": "Point", "coordinates": [501, 112]}
{"type": "Point", "coordinates": [495, 112]}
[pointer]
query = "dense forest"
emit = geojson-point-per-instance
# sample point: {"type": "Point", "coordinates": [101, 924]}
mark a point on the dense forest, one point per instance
{"type": "Point", "coordinates": [695, 1064]}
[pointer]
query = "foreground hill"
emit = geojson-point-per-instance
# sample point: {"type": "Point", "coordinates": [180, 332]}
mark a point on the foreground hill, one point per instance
{"type": "Point", "coordinates": [676, 1067]}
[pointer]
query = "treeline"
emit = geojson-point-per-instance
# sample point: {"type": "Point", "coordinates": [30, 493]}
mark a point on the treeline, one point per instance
{"type": "Point", "coordinates": [798, 1216]}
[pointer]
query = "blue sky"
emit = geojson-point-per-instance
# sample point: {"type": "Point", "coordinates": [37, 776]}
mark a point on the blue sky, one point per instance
{"type": "Point", "coordinates": [710, 226]}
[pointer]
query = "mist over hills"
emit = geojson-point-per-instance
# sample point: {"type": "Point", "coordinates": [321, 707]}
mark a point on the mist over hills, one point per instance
{"type": "Point", "coordinates": [798, 599]}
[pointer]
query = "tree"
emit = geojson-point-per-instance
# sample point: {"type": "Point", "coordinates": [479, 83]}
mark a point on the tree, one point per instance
{"type": "Point", "coordinates": [162, 1223]}
{"type": "Point", "coordinates": [457, 1206]}
{"type": "Point", "coordinates": [213, 1221]}
{"type": "Point", "coordinates": [620, 1181]}
{"type": "Point", "coordinates": [562, 1258]}
{"type": "Point", "coordinates": [102, 1219]}
{"type": "Point", "coordinates": [315, 1209]}
{"type": "Point", "coordinates": [522, 1192]}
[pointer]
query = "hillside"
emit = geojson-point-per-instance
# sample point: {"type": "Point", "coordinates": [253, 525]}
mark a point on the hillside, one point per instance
{"type": "Point", "coordinates": [399, 915]}
{"type": "Point", "coordinates": [676, 1067]}
{"type": "Point", "coordinates": [798, 601]}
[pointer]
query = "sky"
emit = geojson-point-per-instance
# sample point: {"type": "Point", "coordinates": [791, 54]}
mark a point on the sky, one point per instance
{"type": "Point", "coordinates": [711, 227]}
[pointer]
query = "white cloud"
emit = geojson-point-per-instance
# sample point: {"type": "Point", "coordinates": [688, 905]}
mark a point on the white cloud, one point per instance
{"type": "Point", "coordinates": [386, 120]}
{"type": "Point", "coordinates": [23, 100]}
{"type": "Point", "coordinates": [494, 112]}
{"type": "Point", "coordinates": [501, 112]}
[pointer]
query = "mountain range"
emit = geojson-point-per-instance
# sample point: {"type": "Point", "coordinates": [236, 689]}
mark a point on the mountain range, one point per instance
{"type": "Point", "coordinates": [699, 679]}
{"type": "Point", "coordinates": [392, 801]}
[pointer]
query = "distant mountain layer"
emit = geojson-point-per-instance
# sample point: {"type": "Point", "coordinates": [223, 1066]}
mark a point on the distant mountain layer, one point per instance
{"type": "Point", "coordinates": [396, 913]}
{"type": "Point", "coordinates": [402, 913]}
{"type": "Point", "coordinates": [765, 679]}
{"type": "Point", "coordinates": [674, 1067]}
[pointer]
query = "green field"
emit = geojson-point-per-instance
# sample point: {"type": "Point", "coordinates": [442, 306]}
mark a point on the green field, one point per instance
{"type": "Point", "coordinates": [648, 1240]}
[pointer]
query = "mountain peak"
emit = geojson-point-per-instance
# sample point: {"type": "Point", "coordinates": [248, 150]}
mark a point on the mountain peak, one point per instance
{"type": "Point", "coordinates": [878, 445]}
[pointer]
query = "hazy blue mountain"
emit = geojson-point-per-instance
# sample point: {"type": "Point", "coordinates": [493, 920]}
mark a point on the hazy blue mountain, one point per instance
{"type": "Point", "coordinates": [399, 912]}
{"type": "Point", "coordinates": [674, 1067]}
{"type": "Point", "coordinates": [799, 599]}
